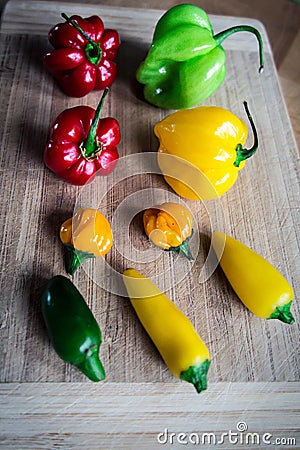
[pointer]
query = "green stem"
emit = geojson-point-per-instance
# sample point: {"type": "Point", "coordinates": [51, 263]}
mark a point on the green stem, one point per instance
{"type": "Point", "coordinates": [75, 258]}
{"type": "Point", "coordinates": [244, 153]}
{"type": "Point", "coordinates": [91, 146]}
{"type": "Point", "coordinates": [93, 50]}
{"type": "Point", "coordinates": [183, 248]}
{"type": "Point", "coordinates": [220, 37]}
{"type": "Point", "coordinates": [92, 366]}
{"type": "Point", "coordinates": [283, 313]}
{"type": "Point", "coordinates": [197, 375]}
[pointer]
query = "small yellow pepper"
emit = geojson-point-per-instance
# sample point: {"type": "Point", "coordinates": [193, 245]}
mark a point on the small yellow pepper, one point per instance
{"type": "Point", "coordinates": [206, 144]}
{"type": "Point", "coordinates": [172, 333]}
{"type": "Point", "coordinates": [86, 235]}
{"type": "Point", "coordinates": [169, 226]}
{"type": "Point", "coordinates": [258, 284]}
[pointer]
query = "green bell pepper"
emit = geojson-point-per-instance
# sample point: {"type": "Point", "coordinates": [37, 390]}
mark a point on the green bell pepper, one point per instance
{"type": "Point", "coordinates": [72, 328]}
{"type": "Point", "coordinates": [186, 62]}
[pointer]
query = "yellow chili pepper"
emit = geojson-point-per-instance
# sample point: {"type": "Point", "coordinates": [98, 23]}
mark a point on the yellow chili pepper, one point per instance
{"type": "Point", "coordinates": [173, 334]}
{"type": "Point", "coordinates": [169, 226]}
{"type": "Point", "coordinates": [258, 284]}
{"type": "Point", "coordinates": [86, 235]}
{"type": "Point", "coordinates": [207, 148]}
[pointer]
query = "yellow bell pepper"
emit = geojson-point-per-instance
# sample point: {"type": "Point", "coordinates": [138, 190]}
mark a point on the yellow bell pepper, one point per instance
{"type": "Point", "coordinates": [169, 226]}
{"type": "Point", "coordinates": [86, 235]}
{"type": "Point", "coordinates": [172, 333]}
{"type": "Point", "coordinates": [258, 284]}
{"type": "Point", "coordinates": [201, 150]}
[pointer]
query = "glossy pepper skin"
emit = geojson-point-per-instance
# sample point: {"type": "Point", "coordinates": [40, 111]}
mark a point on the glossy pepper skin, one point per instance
{"type": "Point", "coordinates": [87, 234]}
{"type": "Point", "coordinates": [72, 328]}
{"type": "Point", "coordinates": [201, 150]}
{"type": "Point", "coordinates": [186, 62]}
{"type": "Point", "coordinates": [172, 333]}
{"type": "Point", "coordinates": [258, 284]}
{"type": "Point", "coordinates": [169, 226]}
{"type": "Point", "coordinates": [83, 55]}
{"type": "Point", "coordinates": [81, 145]}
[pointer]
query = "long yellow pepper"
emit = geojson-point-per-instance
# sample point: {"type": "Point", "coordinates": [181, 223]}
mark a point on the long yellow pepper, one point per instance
{"type": "Point", "coordinates": [86, 235]}
{"type": "Point", "coordinates": [173, 334]}
{"type": "Point", "coordinates": [258, 284]}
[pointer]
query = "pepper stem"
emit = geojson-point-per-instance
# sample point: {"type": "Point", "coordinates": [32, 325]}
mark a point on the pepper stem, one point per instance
{"type": "Point", "coordinates": [93, 50]}
{"type": "Point", "coordinates": [91, 146]}
{"type": "Point", "coordinates": [283, 313]}
{"type": "Point", "coordinates": [92, 366]}
{"type": "Point", "coordinates": [184, 249]}
{"type": "Point", "coordinates": [244, 153]}
{"type": "Point", "coordinates": [197, 375]}
{"type": "Point", "coordinates": [75, 258]}
{"type": "Point", "coordinates": [220, 37]}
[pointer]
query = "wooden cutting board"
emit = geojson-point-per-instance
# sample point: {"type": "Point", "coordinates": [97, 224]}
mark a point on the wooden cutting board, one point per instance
{"type": "Point", "coordinates": [261, 210]}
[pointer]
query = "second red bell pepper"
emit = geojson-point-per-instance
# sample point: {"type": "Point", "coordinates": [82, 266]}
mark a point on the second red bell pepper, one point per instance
{"type": "Point", "coordinates": [81, 145]}
{"type": "Point", "coordinates": [83, 55]}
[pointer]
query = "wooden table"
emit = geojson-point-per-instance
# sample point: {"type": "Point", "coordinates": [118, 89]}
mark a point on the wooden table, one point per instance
{"type": "Point", "coordinates": [254, 375]}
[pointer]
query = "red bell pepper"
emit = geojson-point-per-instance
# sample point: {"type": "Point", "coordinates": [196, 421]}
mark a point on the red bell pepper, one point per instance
{"type": "Point", "coordinates": [81, 145]}
{"type": "Point", "coordinates": [83, 57]}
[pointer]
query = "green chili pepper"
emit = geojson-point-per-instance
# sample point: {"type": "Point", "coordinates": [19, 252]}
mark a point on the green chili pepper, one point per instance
{"type": "Point", "coordinates": [72, 328]}
{"type": "Point", "coordinates": [186, 62]}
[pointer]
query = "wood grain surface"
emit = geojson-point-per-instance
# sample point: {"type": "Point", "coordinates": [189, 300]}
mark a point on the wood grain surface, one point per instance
{"type": "Point", "coordinates": [261, 210]}
{"type": "Point", "coordinates": [136, 416]}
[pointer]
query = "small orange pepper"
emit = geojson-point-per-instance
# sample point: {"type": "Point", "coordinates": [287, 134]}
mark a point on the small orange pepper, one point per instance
{"type": "Point", "coordinates": [169, 226]}
{"type": "Point", "coordinates": [87, 234]}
